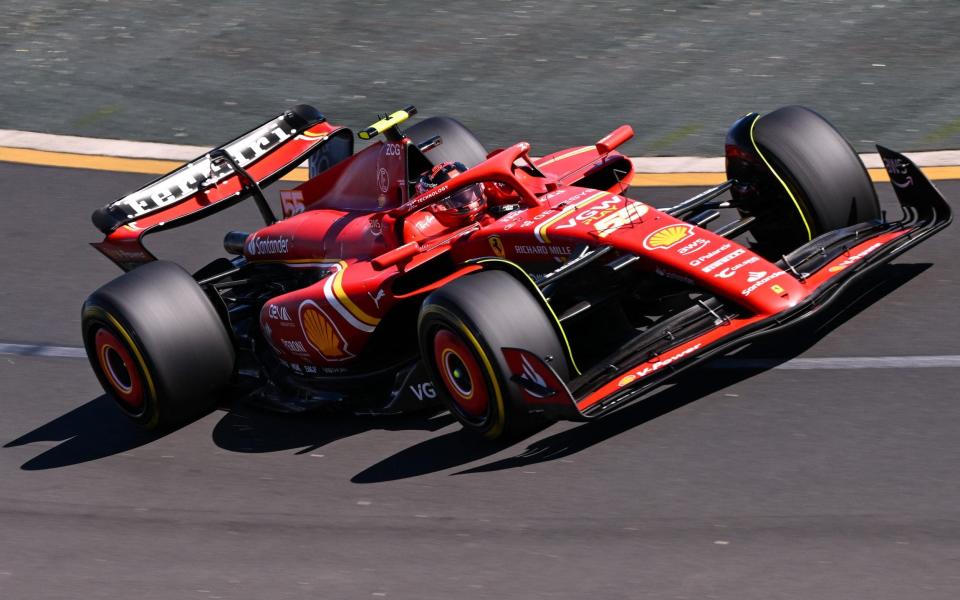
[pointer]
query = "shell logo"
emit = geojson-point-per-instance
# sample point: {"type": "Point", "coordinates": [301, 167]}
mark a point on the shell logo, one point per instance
{"type": "Point", "coordinates": [627, 380]}
{"type": "Point", "coordinates": [321, 333]}
{"type": "Point", "coordinates": [667, 237]}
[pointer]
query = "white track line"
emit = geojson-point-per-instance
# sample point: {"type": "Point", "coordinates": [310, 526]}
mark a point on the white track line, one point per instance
{"type": "Point", "coordinates": [41, 350]}
{"type": "Point", "coordinates": [795, 364]}
{"type": "Point", "coordinates": [841, 362]}
{"type": "Point", "coordinates": [29, 140]}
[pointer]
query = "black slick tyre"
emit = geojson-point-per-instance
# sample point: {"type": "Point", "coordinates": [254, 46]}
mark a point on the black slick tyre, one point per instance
{"type": "Point", "coordinates": [459, 143]}
{"type": "Point", "coordinates": [157, 345]}
{"type": "Point", "coordinates": [818, 182]}
{"type": "Point", "coordinates": [462, 328]}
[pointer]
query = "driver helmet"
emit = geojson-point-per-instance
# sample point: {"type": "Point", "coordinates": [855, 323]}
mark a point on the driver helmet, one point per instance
{"type": "Point", "coordinates": [461, 207]}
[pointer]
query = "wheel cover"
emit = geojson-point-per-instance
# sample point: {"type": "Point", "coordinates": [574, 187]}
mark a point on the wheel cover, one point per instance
{"type": "Point", "coordinates": [461, 373]}
{"type": "Point", "coordinates": [119, 369]}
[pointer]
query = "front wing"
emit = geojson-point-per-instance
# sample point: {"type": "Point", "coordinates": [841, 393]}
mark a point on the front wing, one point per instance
{"type": "Point", "coordinates": [825, 266]}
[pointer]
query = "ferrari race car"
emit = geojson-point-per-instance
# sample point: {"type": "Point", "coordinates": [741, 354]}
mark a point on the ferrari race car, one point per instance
{"type": "Point", "coordinates": [514, 290]}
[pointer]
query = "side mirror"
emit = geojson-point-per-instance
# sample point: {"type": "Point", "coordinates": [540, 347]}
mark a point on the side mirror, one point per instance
{"type": "Point", "coordinates": [614, 138]}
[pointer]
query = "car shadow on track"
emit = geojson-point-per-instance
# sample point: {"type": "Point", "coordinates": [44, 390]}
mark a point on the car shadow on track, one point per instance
{"type": "Point", "coordinates": [248, 429]}
{"type": "Point", "coordinates": [89, 432]}
{"type": "Point", "coordinates": [97, 430]}
{"type": "Point", "coordinates": [447, 451]}
{"type": "Point", "coordinates": [454, 449]}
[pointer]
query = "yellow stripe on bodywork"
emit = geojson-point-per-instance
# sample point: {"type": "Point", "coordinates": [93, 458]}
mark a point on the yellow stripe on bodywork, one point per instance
{"type": "Point", "coordinates": [541, 230]}
{"type": "Point", "coordinates": [340, 299]}
{"type": "Point", "coordinates": [789, 193]}
{"type": "Point", "coordinates": [566, 155]}
{"type": "Point", "coordinates": [344, 299]}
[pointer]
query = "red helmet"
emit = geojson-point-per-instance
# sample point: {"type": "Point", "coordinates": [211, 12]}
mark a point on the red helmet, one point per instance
{"type": "Point", "coordinates": [461, 207]}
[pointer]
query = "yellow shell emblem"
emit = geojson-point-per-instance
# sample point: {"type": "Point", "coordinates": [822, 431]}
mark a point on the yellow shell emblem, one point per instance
{"type": "Point", "coordinates": [322, 334]}
{"type": "Point", "coordinates": [668, 236]}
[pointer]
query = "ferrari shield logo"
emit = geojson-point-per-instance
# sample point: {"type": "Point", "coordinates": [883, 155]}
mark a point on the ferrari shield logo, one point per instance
{"type": "Point", "coordinates": [496, 244]}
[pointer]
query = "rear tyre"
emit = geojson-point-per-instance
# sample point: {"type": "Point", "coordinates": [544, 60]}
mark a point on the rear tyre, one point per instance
{"type": "Point", "coordinates": [459, 143]}
{"type": "Point", "coordinates": [157, 345]}
{"type": "Point", "coordinates": [815, 181]}
{"type": "Point", "coordinates": [463, 326]}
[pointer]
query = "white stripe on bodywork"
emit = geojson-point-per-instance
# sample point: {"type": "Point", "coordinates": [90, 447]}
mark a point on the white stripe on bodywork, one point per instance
{"type": "Point", "coordinates": [340, 308]}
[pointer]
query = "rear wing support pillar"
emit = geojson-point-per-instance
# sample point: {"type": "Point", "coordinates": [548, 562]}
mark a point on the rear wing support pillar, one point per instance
{"type": "Point", "coordinates": [247, 182]}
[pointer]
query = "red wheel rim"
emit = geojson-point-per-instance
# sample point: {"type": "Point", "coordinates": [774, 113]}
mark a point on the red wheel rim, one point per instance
{"type": "Point", "coordinates": [461, 373]}
{"type": "Point", "coordinates": [118, 367]}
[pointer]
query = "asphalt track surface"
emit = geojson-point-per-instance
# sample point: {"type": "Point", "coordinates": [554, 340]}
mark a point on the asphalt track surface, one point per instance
{"type": "Point", "coordinates": [736, 483]}
{"type": "Point", "coordinates": [561, 72]}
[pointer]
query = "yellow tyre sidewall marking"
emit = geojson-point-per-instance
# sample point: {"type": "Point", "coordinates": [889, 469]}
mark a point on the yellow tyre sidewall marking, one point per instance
{"type": "Point", "coordinates": [495, 431]}
{"type": "Point", "coordinates": [553, 315]}
{"type": "Point", "coordinates": [151, 388]}
{"type": "Point", "coordinates": [789, 193]}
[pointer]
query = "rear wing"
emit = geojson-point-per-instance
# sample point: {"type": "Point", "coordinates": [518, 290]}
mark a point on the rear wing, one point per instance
{"type": "Point", "coordinates": [210, 183]}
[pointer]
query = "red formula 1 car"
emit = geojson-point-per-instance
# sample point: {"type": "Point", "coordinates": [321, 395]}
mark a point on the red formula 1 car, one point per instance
{"type": "Point", "coordinates": [423, 269]}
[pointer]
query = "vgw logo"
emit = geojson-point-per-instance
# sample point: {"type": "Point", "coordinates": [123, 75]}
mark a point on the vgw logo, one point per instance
{"type": "Point", "coordinates": [423, 391]}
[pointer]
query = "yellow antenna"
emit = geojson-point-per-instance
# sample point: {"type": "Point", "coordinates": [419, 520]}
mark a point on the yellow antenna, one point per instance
{"type": "Point", "coordinates": [386, 124]}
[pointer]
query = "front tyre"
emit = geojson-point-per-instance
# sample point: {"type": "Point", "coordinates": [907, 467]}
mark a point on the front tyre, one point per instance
{"type": "Point", "coordinates": [157, 345]}
{"type": "Point", "coordinates": [803, 178]}
{"type": "Point", "coordinates": [462, 328]}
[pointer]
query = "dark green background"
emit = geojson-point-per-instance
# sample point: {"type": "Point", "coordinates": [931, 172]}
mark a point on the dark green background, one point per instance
{"type": "Point", "coordinates": [556, 73]}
